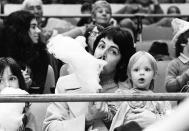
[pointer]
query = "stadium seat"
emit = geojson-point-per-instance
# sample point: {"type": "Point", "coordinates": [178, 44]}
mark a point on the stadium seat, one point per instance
{"type": "Point", "coordinates": [156, 33]}
{"type": "Point", "coordinates": [145, 45]}
{"type": "Point", "coordinates": [159, 84]}
{"type": "Point", "coordinates": [50, 81]}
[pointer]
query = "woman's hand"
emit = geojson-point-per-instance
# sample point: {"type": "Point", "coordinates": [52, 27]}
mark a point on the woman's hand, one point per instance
{"type": "Point", "coordinates": [143, 117]}
{"type": "Point", "coordinates": [96, 110]}
{"type": "Point", "coordinates": [26, 74]}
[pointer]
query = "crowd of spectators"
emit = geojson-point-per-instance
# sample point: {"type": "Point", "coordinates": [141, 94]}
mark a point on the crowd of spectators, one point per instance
{"type": "Point", "coordinates": [108, 39]}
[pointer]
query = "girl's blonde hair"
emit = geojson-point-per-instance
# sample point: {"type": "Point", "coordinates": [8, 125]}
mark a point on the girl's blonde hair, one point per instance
{"type": "Point", "coordinates": [134, 58]}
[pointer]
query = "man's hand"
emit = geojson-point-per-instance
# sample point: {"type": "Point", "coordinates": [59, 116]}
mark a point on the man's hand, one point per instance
{"type": "Point", "coordinates": [142, 116]}
{"type": "Point", "coordinates": [97, 110]}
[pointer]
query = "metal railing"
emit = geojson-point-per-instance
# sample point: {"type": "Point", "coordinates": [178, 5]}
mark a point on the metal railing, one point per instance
{"type": "Point", "coordinates": [92, 97]}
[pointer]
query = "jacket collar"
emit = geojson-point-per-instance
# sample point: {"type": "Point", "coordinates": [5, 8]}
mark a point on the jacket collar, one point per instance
{"type": "Point", "coordinates": [183, 58]}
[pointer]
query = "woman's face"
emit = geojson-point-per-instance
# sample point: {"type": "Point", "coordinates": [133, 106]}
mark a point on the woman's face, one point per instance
{"type": "Point", "coordinates": [102, 16]}
{"type": "Point", "coordinates": [92, 37]}
{"type": "Point", "coordinates": [108, 51]}
{"type": "Point", "coordinates": [34, 31]}
{"type": "Point", "coordinates": [7, 79]}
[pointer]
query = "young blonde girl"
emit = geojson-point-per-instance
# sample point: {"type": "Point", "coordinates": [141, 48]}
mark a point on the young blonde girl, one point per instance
{"type": "Point", "coordinates": [141, 71]}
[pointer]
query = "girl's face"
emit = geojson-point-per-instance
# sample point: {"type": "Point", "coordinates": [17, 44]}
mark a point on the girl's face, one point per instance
{"type": "Point", "coordinates": [34, 31]}
{"type": "Point", "coordinates": [108, 51]}
{"type": "Point", "coordinates": [142, 74]}
{"type": "Point", "coordinates": [7, 79]}
{"type": "Point", "coordinates": [92, 37]}
{"type": "Point", "coordinates": [102, 16]}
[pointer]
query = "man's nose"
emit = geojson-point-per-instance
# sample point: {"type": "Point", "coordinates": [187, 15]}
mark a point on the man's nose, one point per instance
{"type": "Point", "coordinates": [104, 54]}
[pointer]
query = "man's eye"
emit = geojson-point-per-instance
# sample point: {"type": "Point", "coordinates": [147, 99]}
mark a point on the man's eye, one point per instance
{"type": "Point", "coordinates": [31, 8]}
{"type": "Point", "coordinates": [101, 46]}
{"type": "Point", "coordinates": [114, 52]}
{"type": "Point", "coordinates": [38, 7]}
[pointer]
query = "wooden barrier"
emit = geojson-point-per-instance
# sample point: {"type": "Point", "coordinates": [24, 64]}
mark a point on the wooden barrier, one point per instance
{"type": "Point", "coordinates": [93, 97]}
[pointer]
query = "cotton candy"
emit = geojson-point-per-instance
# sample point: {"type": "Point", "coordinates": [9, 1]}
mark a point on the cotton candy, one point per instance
{"type": "Point", "coordinates": [11, 114]}
{"type": "Point", "coordinates": [85, 66]}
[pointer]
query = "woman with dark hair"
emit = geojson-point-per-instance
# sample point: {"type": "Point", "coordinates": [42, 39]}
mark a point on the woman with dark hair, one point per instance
{"type": "Point", "coordinates": [115, 46]}
{"type": "Point", "coordinates": [20, 40]}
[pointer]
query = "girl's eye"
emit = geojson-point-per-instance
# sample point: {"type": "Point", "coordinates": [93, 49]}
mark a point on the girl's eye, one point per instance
{"type": "Point", "coordinates": [136, 69]}
{"type": "Point", "coordinates": [107, 12]}
{"type": "Point", "coordinates": [147, 69]}
{"type": "Point", "coordinates": [100, 11]}
{"type": "Point", "coordinates": [13, 78]}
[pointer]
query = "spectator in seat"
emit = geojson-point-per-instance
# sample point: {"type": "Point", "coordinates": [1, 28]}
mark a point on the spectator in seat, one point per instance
{"type": "Point", "coordinates": [159, 50]}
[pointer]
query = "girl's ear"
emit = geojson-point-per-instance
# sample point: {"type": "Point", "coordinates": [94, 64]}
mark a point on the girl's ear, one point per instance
{"type": "Point", "coordinates": [93, 17]}
{"type": "Point", "coordinates": [155, 75]}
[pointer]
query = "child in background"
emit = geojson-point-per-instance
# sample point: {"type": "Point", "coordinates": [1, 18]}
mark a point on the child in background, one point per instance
{"type": "Point", "coordinates": [141, 71]}
{"type": "Point", "coordinates": [177, 76]}
{"type": "Point", "coordinates": [11, 77]}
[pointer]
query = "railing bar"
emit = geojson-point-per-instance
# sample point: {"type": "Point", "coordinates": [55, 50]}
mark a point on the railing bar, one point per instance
{"type": "Point", "coordinates": [93, 97]}
{"type": "Point", "coordinates": [113, 15]}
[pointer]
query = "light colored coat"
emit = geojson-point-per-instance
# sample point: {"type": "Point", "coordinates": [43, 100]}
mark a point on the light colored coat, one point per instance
{"type": "Point", "coordinates": [68, 116]}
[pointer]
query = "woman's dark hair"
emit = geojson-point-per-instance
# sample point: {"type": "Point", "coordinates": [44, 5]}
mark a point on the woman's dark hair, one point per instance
{"type": "Point", "coordinates": [182, 39]}
{"type": "Point", "coordinates": [124, 40]}
{"type": "Point", "coordinates": [16, 37]}
{"type": "Point", "coordinates": [169, 10]}
{"type": "Point", "coordinates": [15, 69]}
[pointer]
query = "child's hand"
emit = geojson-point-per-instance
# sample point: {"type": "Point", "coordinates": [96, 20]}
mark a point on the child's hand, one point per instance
{"type": "Point", "coordinates": [142, 116]}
